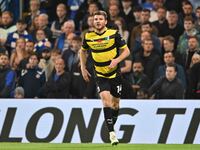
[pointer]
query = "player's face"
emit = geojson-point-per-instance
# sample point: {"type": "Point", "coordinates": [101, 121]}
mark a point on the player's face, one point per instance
{"type": "Point", "coordinates": [99, 22]}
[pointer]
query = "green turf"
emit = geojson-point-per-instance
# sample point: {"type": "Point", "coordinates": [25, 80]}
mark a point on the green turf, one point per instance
{"type": "Point", "coordinates": [44, 146]}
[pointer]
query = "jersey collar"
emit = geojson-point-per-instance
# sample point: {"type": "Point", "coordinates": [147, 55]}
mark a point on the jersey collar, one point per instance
{"type": "Point", "coordinates": [103, 31]}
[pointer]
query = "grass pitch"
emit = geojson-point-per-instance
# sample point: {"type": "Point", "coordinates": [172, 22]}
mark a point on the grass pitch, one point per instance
{"type": "Point", "coordinates": [48, 146]}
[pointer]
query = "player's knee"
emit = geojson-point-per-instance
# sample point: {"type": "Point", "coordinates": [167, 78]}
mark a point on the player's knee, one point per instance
{"type": "Point", "coordinates": [106, 99]}
{"type": "Point", "coordinates": [116, 105]}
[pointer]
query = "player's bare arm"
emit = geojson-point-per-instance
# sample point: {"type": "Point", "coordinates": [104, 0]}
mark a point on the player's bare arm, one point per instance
{"type": "Point", "coordinates": [83, 58]}
{"type": "Point", "coordinates": [125, 53]}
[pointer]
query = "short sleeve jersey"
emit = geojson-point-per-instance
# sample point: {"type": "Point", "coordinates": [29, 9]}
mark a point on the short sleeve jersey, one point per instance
{"type": "Point", "coordinates": [104, 47]}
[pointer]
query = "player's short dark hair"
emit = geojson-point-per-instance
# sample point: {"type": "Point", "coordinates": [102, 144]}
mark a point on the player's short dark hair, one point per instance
{"type": "Point", "coordinates": [101, 12]}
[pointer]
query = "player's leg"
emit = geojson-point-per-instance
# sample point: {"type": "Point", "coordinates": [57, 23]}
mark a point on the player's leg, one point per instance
{"type": "Point", "coordinates": [115, 108]}
{"type": "Point", "coordinates": [107, 108]}
{"type": "Point", "coordinates": [115, 91]}
{"type": "Point", "coordinates": [108, 114]}
{"type": "Point", "coordinates": [116, 88]}
{"type": "Point", "coordinates": [106, 97]}
{"type": "Point", "coordinates": [104, 93]}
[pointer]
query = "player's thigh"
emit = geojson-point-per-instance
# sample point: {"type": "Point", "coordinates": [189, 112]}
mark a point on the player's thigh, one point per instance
{"type": "Point", "coordinates": [116, 87]}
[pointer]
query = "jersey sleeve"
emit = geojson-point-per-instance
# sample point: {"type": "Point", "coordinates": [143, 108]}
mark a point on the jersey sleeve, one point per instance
{"type": "Point", "coordinates": [84, 46]}
{"type": "Point", "coordinates": [120, 42]}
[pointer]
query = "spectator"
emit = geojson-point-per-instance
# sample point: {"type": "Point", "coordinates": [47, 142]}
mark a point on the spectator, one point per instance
{"type": "Point", "coordinates": [18, 55]}
{"type": "Point", "coordinates": [7, 77]}
{"type": "Point", "coordinates": [34, 26]}
{"type": "Point", "coordinates": [183, 40]}
{"type": "Point", "coordinates": [58, 84]}
{"type": "Point", "coordinates": [168, 86]}
{"type": "Point", "coordinates": [175, 29]}
{"type": "Point", "coordinates": [193, 47]}
{"type": "Point", "coordinates": [34, 7]}
{"type": "Point", "coordinates": [3, 50]}
{"type": "Point", "coordinates": [107, 3]}
{"type": "Point", "coordinates": [197, 22]}
{"type": "Point", "coordinates": [113, 14]}
{"type": "Point", "coordinates": [122, 28]}
{"type": "Point", "coordinates": [43, 25]}
{"type": "Point", "coordinates": [7, 26]}
{"type": "Point", "coordinates": [150, 59]}
{"type": "Point", "coordinates": [72, 59]}
{"type": "Point", "coordinates": [195, 59]}
{"type": "Point", "coordinates": [70, 56]}
{"type": "Point", "coordinates": [90, 27]}
{"type": "Point", "coordinates": [19, 92]}
{"type": "Point", "coordinates": [41, 42]}
{"type": "Point", "coordinates": [147, 34]}
{"type": "Point", "coordinates": [74, 5]}
{"type": "Point", "coordinates": [19, 33]}
{"type": "Point", "coordinates": [62, 15]}
{"type": "Point", "coordinates": [137, 17]}
{"type": "Point", "coordinates": [127, 12]}
{"type": "Point", "coordinates": [29, 47]}
{"type": "Point", "coordinates": [168, 60]}
{"type": "Point", "coordinates": [55, 54]}
{"type": "Point", "coordinates": [194, 82]}
{"type": "Point", "coordinates": [32, 78]}
{"type": "Point", "coordinates": [187, 11]}
{"type": "Point", "coordinates": [84, 10]}
{"type": "Point", "coordinates": [92, 7]}
{"type": "Point", "coordinates": [142, 94]}
{"type": "Point", "coordinates": [161, 24]}
{"type": "Point", "coordinates": [136, 31]}
{"type": "Point", "coordinates": [169, 46]}
{"type": "Point", "coordinates": [154, 12]}
{"type": "Point", "coordinates": [62, 42]}
{"type": "Point", "coordinates": [45, 63]}
{"type": "Point", "coordinates": [139, 81]}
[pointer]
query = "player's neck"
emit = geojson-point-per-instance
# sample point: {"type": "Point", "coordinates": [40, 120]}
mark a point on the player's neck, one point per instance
{"type": "Point", "coordinates": [101, 31]}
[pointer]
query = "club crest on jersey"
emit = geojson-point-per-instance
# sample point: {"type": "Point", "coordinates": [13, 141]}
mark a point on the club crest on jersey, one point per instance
{"type": "Point", "coordinates": [107, 38]}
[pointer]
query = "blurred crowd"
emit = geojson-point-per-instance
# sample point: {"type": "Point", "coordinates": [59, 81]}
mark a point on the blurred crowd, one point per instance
{"type": "Point", "coordinates": [39, 52]}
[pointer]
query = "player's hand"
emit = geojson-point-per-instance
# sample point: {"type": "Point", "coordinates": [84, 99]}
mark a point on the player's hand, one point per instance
{"type": "Point", "coordinates": [86, 75]}
{"type": "Point", "coordinates": [113, 63]}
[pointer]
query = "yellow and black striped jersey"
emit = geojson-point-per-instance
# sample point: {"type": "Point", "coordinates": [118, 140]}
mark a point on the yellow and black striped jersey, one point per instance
{"type": "Point", "coordinates": [104, 47]}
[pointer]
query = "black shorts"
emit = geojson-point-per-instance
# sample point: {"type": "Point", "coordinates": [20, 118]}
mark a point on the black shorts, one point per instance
{"type": "Point", "coordinates": [113, 85]}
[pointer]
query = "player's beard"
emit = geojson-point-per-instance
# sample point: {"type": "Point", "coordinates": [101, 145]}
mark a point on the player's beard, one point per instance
{"type": "Point", "coordinates": [99, 27]}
